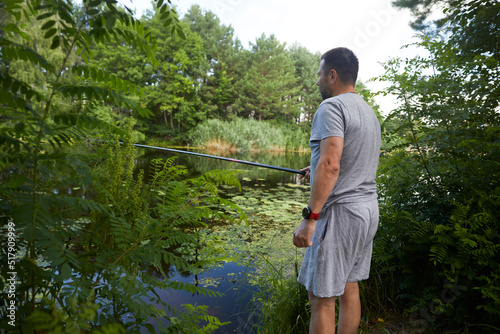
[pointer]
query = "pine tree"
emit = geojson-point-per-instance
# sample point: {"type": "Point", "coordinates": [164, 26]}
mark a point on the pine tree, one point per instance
{"type": "Point", "coordinates": [269, 88]}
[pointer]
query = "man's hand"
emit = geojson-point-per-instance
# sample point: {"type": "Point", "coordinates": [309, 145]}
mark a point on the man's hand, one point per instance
{"type": "Point", "coordinates": [308, 172]}
{"type": "Point", "coordinates": [303, 234]}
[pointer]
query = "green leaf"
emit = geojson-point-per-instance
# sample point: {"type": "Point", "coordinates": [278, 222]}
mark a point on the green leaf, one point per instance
{"type": "Point", "coordinates": [110, 22]}
{"type": "Point", "coordinates": [16, 180]}
{"type": "Point", "coordinates": [12, 27]}
{"type": "Point", "coordinates": [31, 233]}
{"type": "Point", "coordinates": [54, 255]}
{"type": "Point", "coordinates": [65, 271]}
{"type": "Point", "coordinates": [163, 9]}
{"type": "Point", "coordinates": [19, 128]}
{"type": "Point", "coordinates": [181, 33]}
{"type": "Point", "coordinates": [44, 16]}
{"type": "Point", "coordinates": [92, 11]}
{"type": "Point", "coordinates": [15, 29]}
{"type": "Point", "coordinates": [50, 33]}
{"type": "Point", "coordinates": [56, 41]}
{"type": "Point", "coordinates": [165, 15]}
{"type": "Point", "coordinates": [48, 24]}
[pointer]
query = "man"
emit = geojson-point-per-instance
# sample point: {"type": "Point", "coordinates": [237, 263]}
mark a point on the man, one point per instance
{"type": "Point", "coordinates": [342, 216]}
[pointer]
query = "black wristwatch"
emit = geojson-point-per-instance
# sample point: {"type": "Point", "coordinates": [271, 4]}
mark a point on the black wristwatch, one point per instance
{"type": "Point", "coordinates": [308, 214]}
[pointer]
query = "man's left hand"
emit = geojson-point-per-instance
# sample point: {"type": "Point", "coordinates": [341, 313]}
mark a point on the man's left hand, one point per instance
{"type": "Point", "coordinates": [303, 234]}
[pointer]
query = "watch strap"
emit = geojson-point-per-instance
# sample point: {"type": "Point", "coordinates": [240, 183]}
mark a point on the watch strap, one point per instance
{"type": "Point", "coordinates": [314, 216]}
{"type": "Point", "coordinates": [308, 214]}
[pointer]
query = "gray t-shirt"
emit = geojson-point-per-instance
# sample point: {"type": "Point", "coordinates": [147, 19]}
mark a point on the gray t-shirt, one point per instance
{"type": "Point", "coordinates": [348, 116]}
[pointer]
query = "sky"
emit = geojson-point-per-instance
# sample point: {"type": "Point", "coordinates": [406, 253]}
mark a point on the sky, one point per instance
{"type": "Point", "coordinates": [373, 29]}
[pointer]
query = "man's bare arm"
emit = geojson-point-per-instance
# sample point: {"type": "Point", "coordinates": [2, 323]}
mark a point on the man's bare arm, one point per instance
{"type": "Point", "coordinates": [325, 178]}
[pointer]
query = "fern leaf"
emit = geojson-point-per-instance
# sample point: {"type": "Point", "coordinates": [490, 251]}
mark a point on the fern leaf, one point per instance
{"type": "Point", "coordinates": [14, 51]}
{"type": "Point", "coordinates": [106, 77]}
{"type": "Point", "coordinates": [14, 86]}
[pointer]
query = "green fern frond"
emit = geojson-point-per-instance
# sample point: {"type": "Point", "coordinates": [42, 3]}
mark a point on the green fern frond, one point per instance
{"type": "Point", "coordinates": [226, 177]}
{"type": "Point", "coordinates": [162, 172]}
{"type": "Point", "coordinates": [460, 213]}
{"type": "Point", "coordinates": [438, 253]}
{"type": "Point", "coordinates": [422, 229]}
{"type": "Point", "coordinates": [14, 51]}
{"type": "Point", "coordinates": [114, 82]}
{"type": "Point", "coordinates": [82, 93]}
{"type": "Point", "coordinates": [10, 146]}
{"type": "Point", "coordinates": [16, 88]}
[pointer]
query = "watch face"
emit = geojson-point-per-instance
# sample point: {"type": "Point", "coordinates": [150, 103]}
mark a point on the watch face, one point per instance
{"type": "Point", "coordinates": [306, 212]}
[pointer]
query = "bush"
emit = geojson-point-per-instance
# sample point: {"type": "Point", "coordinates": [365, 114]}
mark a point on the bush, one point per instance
{"type": "Point", "coordinates": [439, 227]}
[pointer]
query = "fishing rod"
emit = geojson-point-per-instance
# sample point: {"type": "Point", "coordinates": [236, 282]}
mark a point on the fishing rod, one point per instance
{"type": "Point", "coordinates": [223, 158]}
{"type": "Point", "coordinates": [217, 157]}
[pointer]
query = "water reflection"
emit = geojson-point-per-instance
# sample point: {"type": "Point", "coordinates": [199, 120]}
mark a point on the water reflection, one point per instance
{"type": "Point", "coordinates": [198, 165]}
{"type": "Point", "coordinates": [231, 280]}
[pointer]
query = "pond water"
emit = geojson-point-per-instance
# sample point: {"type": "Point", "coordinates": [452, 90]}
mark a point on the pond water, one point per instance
{"type": "Point", "coordinates": [197, 165]}
{"type": "Point", "coordinates": [272, 201]}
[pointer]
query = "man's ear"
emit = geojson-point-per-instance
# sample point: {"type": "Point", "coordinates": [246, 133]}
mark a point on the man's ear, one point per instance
{"type": "Point", "coordinates": [333, 74]}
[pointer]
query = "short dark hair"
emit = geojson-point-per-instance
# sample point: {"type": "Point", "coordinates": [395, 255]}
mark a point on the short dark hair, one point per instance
{"type": "Point", "coordinates": [345, 63]}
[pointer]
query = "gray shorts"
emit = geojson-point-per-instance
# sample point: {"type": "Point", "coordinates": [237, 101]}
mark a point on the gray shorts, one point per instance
{"type": "Point", "coordinates": [342, 248]}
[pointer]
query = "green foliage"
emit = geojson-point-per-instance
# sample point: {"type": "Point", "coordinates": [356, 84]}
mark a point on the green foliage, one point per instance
{"type": "Point", "coordinates": [81, 257]}
{"type": "Point", "coordinates": [268, 89]}
{"type": "Point", "coordinates": [306, 71]}
{"type": "Point", "coordinates": [174, 93]}
{"type": "Point", "coordinates": [140, 233]}
{"type": "Point", "coordinates": [77, 319]}
{"type": "Point", "coordinates": [184, 324]}
{"type": "Point", "coordinates": [223, 64]}
{"type": "Point", "coordinates": [439, 184]}
{"type": "Point", "coordinates": [277, 314]}
{"type": "Point", "coordinates": [248, 135]}
{"type": "Point", "coordinates": [107, 115]}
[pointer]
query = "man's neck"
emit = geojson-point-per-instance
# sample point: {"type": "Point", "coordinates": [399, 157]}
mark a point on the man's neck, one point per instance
{"type": "Point", "coordinates": [344, 89]}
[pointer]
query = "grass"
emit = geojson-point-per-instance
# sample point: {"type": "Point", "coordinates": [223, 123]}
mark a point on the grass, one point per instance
{"type": "Point", "coordinates": [248, 134]}
{"type": "Point", "coordinates": [284, 308]}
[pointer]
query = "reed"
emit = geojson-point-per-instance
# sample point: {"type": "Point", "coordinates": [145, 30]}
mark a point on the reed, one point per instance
{"type": "Point", "coordinates": [248, 135]}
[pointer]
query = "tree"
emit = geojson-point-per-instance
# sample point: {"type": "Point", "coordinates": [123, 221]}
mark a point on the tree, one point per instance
{"type": "Point", "coordinates": [221, 68]}
{"type": "Point", "coordinates": [268, 90]}
{"type": "Point", "coordinates": [440, 187]}
{"type": "Point", "coordinates": [306, 69]}
{"type": "Point", "coordinates": [422, 9]}
{"type": "Point", "coordinates": [175, 85]}
{"type": "Point", "coordinates": [129, 64]}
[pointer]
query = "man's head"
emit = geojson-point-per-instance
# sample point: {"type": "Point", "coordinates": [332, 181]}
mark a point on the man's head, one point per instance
{"type": "Point", "coordinates": [337, 72]}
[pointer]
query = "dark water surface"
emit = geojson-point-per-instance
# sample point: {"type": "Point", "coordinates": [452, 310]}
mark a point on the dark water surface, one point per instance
{"type": "Point", "coordinates": [198, 165]}
{"type": "Point", "coordinates": [230, 279]}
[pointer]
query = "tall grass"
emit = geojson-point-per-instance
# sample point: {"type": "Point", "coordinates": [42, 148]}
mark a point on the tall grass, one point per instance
{"type": "Point", "coordinates": [284, 306]}
{"type": "Point", "coordinates": [248, 134]}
